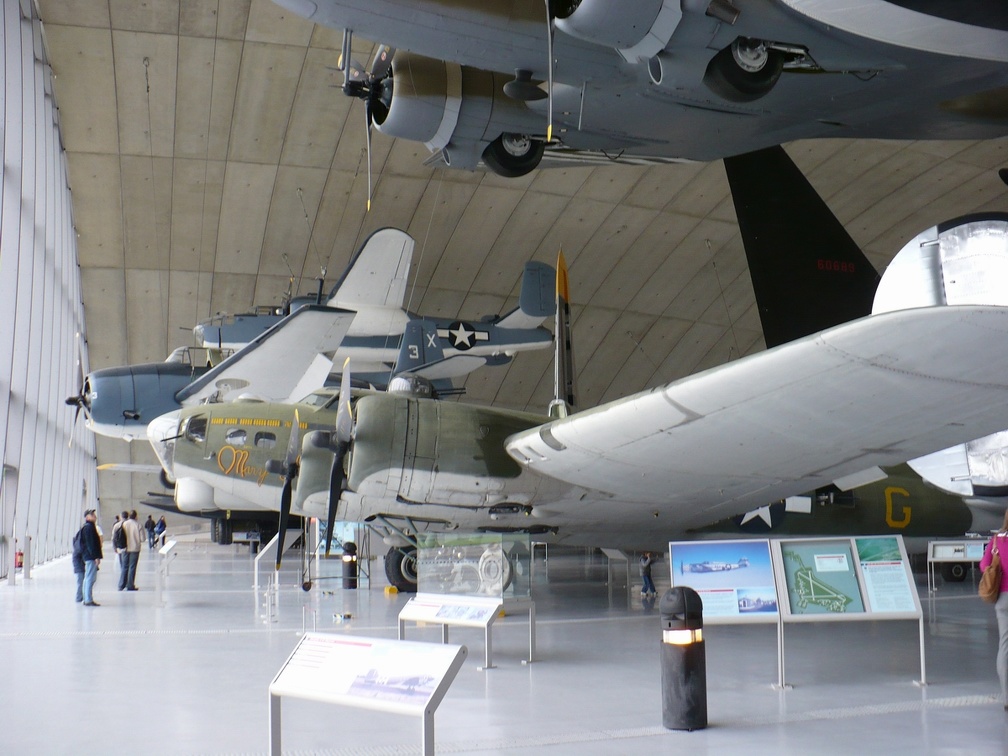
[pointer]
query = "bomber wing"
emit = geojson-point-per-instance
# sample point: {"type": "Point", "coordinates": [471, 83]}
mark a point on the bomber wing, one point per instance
{"type": "Point", "coordinates": [275, 363]}
{"type": "Point", "coordinates": [877, 391]}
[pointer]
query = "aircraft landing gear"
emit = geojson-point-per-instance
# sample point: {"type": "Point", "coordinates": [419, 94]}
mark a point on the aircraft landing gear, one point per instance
{"type": "Point", "coordinates": [744, 71]}
{"type": "Point", "coordinates": [401, 568]}
{"type": "Point", "coordinates": [513, 155]}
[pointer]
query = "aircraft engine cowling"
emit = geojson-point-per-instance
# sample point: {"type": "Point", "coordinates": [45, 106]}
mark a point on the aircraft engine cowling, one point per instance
{"type": "Point", "coordinates": [463, 112]}
{"type": "Point", "coordinates": [638, 30]}
{"type": "Point", "coordinates": [193, 495]}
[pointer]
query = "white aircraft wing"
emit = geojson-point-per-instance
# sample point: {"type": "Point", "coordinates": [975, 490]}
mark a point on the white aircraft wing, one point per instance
{"type": "Point", "coordinates": [273, 364]}
{"type": "Point", "coordinates": [378, 273]}
{"type": "Point", "coordinates": [876, 391]}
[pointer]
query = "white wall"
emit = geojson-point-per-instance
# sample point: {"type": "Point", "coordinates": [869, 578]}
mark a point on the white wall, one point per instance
{"type": "Point", "coordinates": [49, 463]}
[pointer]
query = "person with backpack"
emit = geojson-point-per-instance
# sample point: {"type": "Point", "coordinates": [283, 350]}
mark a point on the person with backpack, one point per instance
{"type": "Point", "coordinates": [91, 552]}
{"type": "Point", "coordinates": [160, 529]}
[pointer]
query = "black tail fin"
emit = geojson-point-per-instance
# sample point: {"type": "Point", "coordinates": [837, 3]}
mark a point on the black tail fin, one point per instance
{"type": "Point", "coordinates": [807, 272]}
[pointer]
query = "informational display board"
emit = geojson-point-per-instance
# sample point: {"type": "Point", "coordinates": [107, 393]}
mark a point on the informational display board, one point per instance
{"type": "Point", "coordinates": [963, 552]}
{"type": "Point", "coordinates": [466, 611]}
{"type": "Point", "coordinates": [401, 677]}
{"type": "Point", "coordinates": [834, 579]}
{"type": "Point", "coordinates": [821, 577]}
{"type": "Point", "coordinates": [800, 580]}
{"type": "Point", "coordinates": [388, 675]}
{"type": "Point", "coordinates": [735, 579]}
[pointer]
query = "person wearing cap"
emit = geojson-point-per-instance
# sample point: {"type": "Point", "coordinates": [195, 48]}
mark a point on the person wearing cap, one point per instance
{"type": "Point", "coordinates": [91, 550]}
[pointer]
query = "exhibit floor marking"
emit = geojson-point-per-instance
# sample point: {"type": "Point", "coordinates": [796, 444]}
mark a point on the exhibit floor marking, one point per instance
{"type": "Point", "coordinates": [629, 733]}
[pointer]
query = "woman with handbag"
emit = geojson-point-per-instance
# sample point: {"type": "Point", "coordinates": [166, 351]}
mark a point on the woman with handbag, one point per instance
{"type": "Point", "coordinates": [996, 550]}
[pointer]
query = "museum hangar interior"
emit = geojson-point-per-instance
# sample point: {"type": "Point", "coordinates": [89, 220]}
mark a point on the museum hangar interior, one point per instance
{"type": "Point", "coordinates": [164, 162]}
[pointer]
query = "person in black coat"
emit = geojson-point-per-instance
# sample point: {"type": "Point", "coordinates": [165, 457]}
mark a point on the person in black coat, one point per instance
{"type": "Point", "coordinates": [77, 557]}
{"type": "Point", "coordinates": [91, 551]}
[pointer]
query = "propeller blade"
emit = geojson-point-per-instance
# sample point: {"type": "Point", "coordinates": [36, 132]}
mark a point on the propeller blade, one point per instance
{"type": "Point", "coordinates": [367, 131]}
{"type": "Point", "coordinates": [335, 489]}
{"type": "Point", "coordinates": [344, 418]}
{"type": "Point", "coordinates": [382, 64]}
{"type": "Point", "coordinates": [344, 432]}
{"type": "Point", "coordinates": [293, 444]}
{"type": "Point", "coordinates": [290, 472]}
{"type": "Point", "coordinates": [549, 81]}
{"type": "Point", "coordinates": [285, 508]}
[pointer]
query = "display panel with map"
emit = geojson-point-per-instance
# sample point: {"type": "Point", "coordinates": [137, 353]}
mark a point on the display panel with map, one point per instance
{"type": "Point", "coordinates": [821, 578]}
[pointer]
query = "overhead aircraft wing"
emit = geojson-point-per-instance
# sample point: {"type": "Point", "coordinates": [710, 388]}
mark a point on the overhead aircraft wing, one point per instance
{"type": "Point", "coordinates": [274, 363]}
{"type": "Point", "coordinates": [377, 274]}
{"type": "Point", "coordinates": [877, 391]}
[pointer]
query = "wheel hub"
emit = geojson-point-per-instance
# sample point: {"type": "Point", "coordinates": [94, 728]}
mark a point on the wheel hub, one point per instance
{"type": "Point", "coordinates": [750, 54]}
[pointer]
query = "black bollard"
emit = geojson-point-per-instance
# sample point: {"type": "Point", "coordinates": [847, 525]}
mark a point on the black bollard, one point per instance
{"type": "Point", "coordinates": [350, 565]}
{"type": "Point", "coordinates": [683, 660]}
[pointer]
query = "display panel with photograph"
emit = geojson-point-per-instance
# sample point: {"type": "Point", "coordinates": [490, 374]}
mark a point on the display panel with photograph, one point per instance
{"type": "Point", "coordinates": [735, 579]}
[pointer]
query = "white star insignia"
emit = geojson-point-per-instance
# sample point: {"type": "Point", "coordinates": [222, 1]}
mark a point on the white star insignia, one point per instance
{"type": "Point", "coordinates": [463, 336]}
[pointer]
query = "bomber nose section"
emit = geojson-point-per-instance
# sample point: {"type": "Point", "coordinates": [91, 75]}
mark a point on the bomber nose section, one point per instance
{"type": "Point", "coordinates": [162, 432]}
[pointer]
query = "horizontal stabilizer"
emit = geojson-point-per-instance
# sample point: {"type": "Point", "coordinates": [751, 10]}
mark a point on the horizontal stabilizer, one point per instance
{"type": "Point", "coordinates": [377, 274]}
{"type": "Point", "coordinates": [455, 366]}
{"type": "Point", "coordinates": [536, 301]}
{"type": "Point", "coordinates": [273, 364]}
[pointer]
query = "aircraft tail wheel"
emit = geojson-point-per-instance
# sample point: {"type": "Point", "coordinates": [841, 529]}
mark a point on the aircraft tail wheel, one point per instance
{"type": "Point", "coordinates": [401, 568]}
{"type": "Point", "coordinates": [513, 155]}
{"type": "Point", "coordinates": [954, 572]}
{"type": "Point", "coordinates": [744, 71]}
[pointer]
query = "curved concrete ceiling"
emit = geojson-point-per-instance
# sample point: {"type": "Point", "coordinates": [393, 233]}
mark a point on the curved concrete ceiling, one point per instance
{"type": "Point", "coordinates": [211, 153]}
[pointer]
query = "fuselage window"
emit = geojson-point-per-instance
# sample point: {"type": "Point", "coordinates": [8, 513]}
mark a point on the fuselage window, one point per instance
{"type": "Point", "coordinates": [237, 437]}
{"type": "Point", "coordinates": [196, 429]}
{"type": "Point", "coordinates": [265, 440]}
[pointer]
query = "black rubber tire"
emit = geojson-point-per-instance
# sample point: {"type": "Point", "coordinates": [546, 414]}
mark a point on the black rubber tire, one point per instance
{"type": "Point", "coordinates": [505, 163]}
{"type": "Point", "coordinates": [725, 78]}
{"type": "Point", "coordinates": [226, 532]}
{"type": "Point", "coordinates": [955, 572]}
{"type": "Point", "coordinates": [169, 484]}
{"type": "Point", "coordinates": [401, 568]}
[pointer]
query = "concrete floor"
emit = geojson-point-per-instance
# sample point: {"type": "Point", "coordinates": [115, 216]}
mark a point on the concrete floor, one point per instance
{"type": "Point", "coordinates": [183, 667]}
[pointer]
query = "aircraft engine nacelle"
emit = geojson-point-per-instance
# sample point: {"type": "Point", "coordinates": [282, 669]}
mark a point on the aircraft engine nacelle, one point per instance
{"type": "Point", "coordinates": [463, 112]}
{"type": "Point", "coordinates": [422, 451]}
{"type": "Point", "coordinates": [121, 401]}
{"type": "Point", "coordinates": [638, 30]}
{"type": "Point", "coordinates": [193, 495]}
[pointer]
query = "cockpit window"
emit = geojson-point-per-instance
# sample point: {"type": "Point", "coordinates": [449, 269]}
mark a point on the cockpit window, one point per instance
{"type": "Point", "coordinates": [237, 437]}
{"type": "Point", "coordinates": [318, 398]}
{"type": "Point", "coordinates": [196, 428]}
{"type": "Point", "coordinates": [265, 440]}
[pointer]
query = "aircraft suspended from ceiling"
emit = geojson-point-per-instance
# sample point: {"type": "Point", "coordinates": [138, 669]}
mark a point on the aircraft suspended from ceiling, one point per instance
{"type": "Point", "coordinates": [509, 82]}
{"type": "Point", "coordinates": [363, 319]}
{"type": "Point", "coordinates": [793, 243]}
